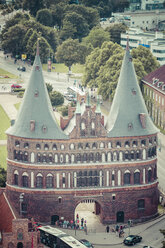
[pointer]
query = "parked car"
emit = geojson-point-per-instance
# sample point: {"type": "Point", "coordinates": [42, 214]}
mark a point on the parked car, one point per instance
{"type": "Point", "coordinates": [16, 86]}
{"type": "Point", "coordinates": [21, 68]}
{"type": "Point", "coordinates": [86, 243]}
{"type": "Point", "coordinates": [147, 246]}
{"type": "Point", "coordinates": [132, 239]}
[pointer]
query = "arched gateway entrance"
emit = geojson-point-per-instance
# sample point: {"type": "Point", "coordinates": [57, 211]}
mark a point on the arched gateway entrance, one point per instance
{"type": "Point", "coordinates": [88, 212]}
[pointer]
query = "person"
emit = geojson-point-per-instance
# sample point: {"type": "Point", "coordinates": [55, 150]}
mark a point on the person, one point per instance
{"type": "Point", "coordinates": [117, 229]}
{"type": "Point", "coordinates": [107, 229]}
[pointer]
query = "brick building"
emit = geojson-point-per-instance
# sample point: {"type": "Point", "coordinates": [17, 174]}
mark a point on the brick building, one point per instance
{"type": "Point", "coordinates": [154, 94]}
{"type": "Point", "coordinates": [113, 165]}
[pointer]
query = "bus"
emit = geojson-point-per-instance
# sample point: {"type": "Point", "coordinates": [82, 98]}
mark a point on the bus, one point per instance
{"type": "Point", "coordinates": [55, 238]}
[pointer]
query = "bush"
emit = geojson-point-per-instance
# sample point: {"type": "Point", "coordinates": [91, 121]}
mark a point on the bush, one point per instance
{"type": "Point", "coordinates": [18, 90]}
{"type": "Point", "coordinates": [20, 94]}
{"type": "Point", "coordinates": [56, 98]}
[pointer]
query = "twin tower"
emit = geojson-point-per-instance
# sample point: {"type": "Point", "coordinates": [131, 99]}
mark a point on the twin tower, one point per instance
{"type": "Point", "coordinates": [113, 165]}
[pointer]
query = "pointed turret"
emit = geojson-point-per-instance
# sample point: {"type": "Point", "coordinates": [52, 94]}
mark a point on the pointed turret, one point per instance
{"type": "Point", "coordinates": [35, 118]}
{"type": "Point", "coordinates": [88, 103]}
{"type": "Point", "coordinates": [128, 115]}
{"type": "Point", "coordinates": [98, 109]}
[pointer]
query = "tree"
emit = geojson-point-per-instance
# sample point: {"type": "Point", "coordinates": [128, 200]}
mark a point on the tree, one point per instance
{"type": "Point", "coordinates": [33, 6]}
{"type": "Point", "coordinates": [44, 16]}
{"type": "Point", "coordinates": [78, 23]}
{"type": "Point", "coordinates": [115, 32]}
{"type": "Point", "coordinates": [56, 98]}
{"type": "Point", "coordinates": [163, 242]}
{"type": "Point", "coordinates": [102, 67]}
{"type": "Point", "coordinates": [49, 87]}
{"type": "Point", "coordinates": [2, 177]}
{"type": "Point", "coordinates": [70, 52]}
{"type": "Point", "coordinates": [96, 37]}
{"type": "Point", "coordinates": [148, 60]}
{"type": "Point", "coordinates": [12, 39]}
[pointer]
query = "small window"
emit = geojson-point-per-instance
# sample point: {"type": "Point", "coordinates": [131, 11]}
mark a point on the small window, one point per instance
{"type": "Point", "coordinates": [59, 199]}
{"type": "Point", "coordinates": [141, 204]}
{"type": "Point", "coordinates": [72, 146]}
{"type": "Point", "coordinates": [17, 143]}
{"type": "Point", "coordinates": [26, 145]}
{"type": "Point", "coordinates": [54, 147]}
{"type": "Point", "coordinates": [38, 147]}
{"type": "Point", "coordinates": [44, 129]}
{"type": "Point", "coordinates": [46, 147]}
{"type": "Point", "coordinates": [62, 147]}
{"type": "Point", "coordinates": [113, 197]}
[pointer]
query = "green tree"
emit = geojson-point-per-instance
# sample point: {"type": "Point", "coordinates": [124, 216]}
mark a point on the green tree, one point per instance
{"type": "Point", "coordinates": [96, 37]}
{"type": "Point", "coordinates": [12, 39]}
{"type": "Point", "coordinates": [33, 5]}
{"type": "Point", "coordinates": [58, 12]}
{"type": "Point", "coordinates": [70, 52]}
{"type": "Point", "coordinates": [49, 87]}
{"type": "Point", "coordinates": [56, 98]}
{"type": "Point", "coordinates": [78, 23]}
{"type": "Point", "coordinates": [2, 177]}
{"type": "Point", "coordinates": [44, 16]}
{"type": "Point", "coordinates": [115, 31]}
{"type": "Point", "coordinates": [148, 60]}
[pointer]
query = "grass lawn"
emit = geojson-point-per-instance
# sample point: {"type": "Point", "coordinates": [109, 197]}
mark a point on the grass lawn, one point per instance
{"type": "Point", "coordinates": [17, 105]}
{"type": "Point", "coordinates": [4, 123]}
{"type": "Point", "coordinates": [3, 156]}
{"type": "Point", "coordinates": [61, 68]}
{"type": "Point", "coordinates": [6, 73]}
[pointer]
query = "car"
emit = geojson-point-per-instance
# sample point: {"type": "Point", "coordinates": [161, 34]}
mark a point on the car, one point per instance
{"type": "Point", "coordinates": [147, 246]}
{"type": "Point", "coordinates": [132, 239]}
{"type": "Point", "coordinates": [86, 243]}
{"type": "Point", "coordinates": [16, 86]}
{"type": "Point", "coordinates": [21, 68]}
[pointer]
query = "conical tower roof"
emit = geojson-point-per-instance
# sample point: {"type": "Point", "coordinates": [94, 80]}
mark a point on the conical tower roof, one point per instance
{"type": "Point", "coordinates": [35, 118]}
{"type": "Point", "coordinates": [128, 114]}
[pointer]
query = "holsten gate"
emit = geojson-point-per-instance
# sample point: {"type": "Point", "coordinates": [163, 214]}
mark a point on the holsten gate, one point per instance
{"type": "Point", "coordinates": [113, 164]}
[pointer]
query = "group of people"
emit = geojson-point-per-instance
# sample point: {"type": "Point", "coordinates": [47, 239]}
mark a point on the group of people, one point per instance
{"type": "Point", "coordinates": [73, 224]}
{"type": "Point", "coordinates": [118, 229]}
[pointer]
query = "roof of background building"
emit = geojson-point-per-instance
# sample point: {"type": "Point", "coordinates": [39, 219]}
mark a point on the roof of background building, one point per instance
{"type": "Point", "coordinates": [156, 78]}
{"type": "Point", "coordinates": [128, 115]}
{"type": "Point", "coordinates": [35, 118]}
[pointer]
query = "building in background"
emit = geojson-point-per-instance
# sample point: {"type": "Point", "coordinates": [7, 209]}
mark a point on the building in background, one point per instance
{"type": "Point", "coordinates": [154, 94]}
{"type": "Point", "coordinates": [155, 41]}
{"type": "Point", "coordinates": [146, 5]}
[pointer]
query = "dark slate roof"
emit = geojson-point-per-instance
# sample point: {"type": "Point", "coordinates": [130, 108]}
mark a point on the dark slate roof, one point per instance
{"type": "Point", "coordinates": [36, 118]}
{"type": "Point", "coordinates": [156, 78]}
{"type": "Point", "coordinates": [128, 114]}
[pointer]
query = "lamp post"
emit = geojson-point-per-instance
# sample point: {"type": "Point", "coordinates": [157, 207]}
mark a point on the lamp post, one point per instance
{"type": "Point", "coordinates": [21, 196]}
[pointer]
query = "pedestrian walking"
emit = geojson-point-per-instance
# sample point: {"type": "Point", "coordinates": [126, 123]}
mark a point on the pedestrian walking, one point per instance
{"type": "Point", "coordinates": [107, 229]}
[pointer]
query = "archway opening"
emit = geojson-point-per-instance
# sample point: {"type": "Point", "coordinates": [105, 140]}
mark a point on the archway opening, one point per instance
{"type": "Point", "coordinates": [54, 218]}
{"type": "Point", "coordinates": [120, 217]}
{"type": "Point", "coordinates": [87, 213]}
{"type": "Point", "coordinates": [20, 245]}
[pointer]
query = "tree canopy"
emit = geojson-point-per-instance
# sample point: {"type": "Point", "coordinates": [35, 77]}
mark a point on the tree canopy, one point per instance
{"type": "Point", "coordinates": [102, 67]}
{"type": "Point", "coordinates": [115, 31]}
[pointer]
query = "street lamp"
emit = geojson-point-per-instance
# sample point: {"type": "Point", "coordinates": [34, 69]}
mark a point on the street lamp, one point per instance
{"type": "Point", "coordinates": [21, 196]}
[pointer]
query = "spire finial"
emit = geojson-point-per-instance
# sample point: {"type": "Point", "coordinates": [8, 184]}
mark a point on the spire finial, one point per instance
{"type": "Point", "coordinates": [38, 51]}
{"type": "Point", "coordinates": [127, 46]}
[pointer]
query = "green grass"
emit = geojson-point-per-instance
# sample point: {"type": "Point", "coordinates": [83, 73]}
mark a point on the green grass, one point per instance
{"type": "Point", "coordinates": [61, 68]}
{"type": "Point", "coordinates": [3, 156]}
{"type": "Point", "coordinates": [6, 73]}
{"type": "Point", "coordinates": [17, 105]}
{"type": "Point", "coordinates": [4, 123]}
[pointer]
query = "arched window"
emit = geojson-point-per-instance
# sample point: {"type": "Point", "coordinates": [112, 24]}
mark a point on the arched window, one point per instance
{"type": "Point", "coordinates": [118, 144]}
{"type": "Point", "coordinates": [49, 181]}
{"type": "Point", "coordinates": [137, 154]}
{"type": "Point", "coordinates": [143, 142]}
{"type": "Point", "coordinates": [44, 158]}
{"type": "Point", "coordinates": [115, 156]}
{"type": "Point", "coordinates": [26, 145]}
{"type": "Point", "coordinates": [87, 146]}
{"type": "Point", "coordinates": [72, 158]}
{"type": "Point", "coordinates": [25, 155]}
{"type": "Point", "coordinates": [78, 157]}
{"type": "Point", "coordinates": [144, 153]}
{"type": "Point", "coordinates": [17, 143]}
{"type": "Point", "coordinates": [132, 155]}
{"type": "Point", "coordinates": [127, 144]}
{"type": "Point", "coordinates": [149, 175]}
{"type": "Point", "coordinates": [82, 129]}
{"type": "Point", "coordinates": [141, 204]}
{"type": "Point", "coordinates": [102, 145]}
{"type": "Point", "coordinates": [25, 180]}
{"type": "Point", "coordinates": [134, 143]}
{"type": "Point", "coordinates": [109, 157]}
{"type": "Point", "coordinates": [94, 146]}
{"type": "Point", "coordinates": [62, 147]}
{"type": "Point", "coordinates": [54, 147]}
{"type": "Point", "coordinates": [126, 155]}
{"type": "Point", "coordinates": [97, 156]}
{"type": "Point", "coordinates": [72, 147]}
{"type": "Point", "coordinates": [50, 157]}
{"type": "Point", "coordinates": [39, 181]}
{"type": "Point", "coordinates": [127, 177]}
{"type": "Point", "coordinates": [38, 158]}
{"type": "Point", "coordinates": [61, 158]}
{"type": "Point", "coordinates": [84, 157]}
{"type": "Point", "coordinates": [38, 147]}
{"type": "Point", "coordinates": [16, 177]}
{"type": "Point", "coordinates": [80, 146]}
{"type": "Point", "coordinates": [103, 157]}
{"type": "Point", "coordinates": [137, 177]}
{"type": "Point", "coordinates": [67, 158]}
{"type": "Point", "coordinates": [46, 147]}
{"type": "Point", "coordinates": [109, 145]}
